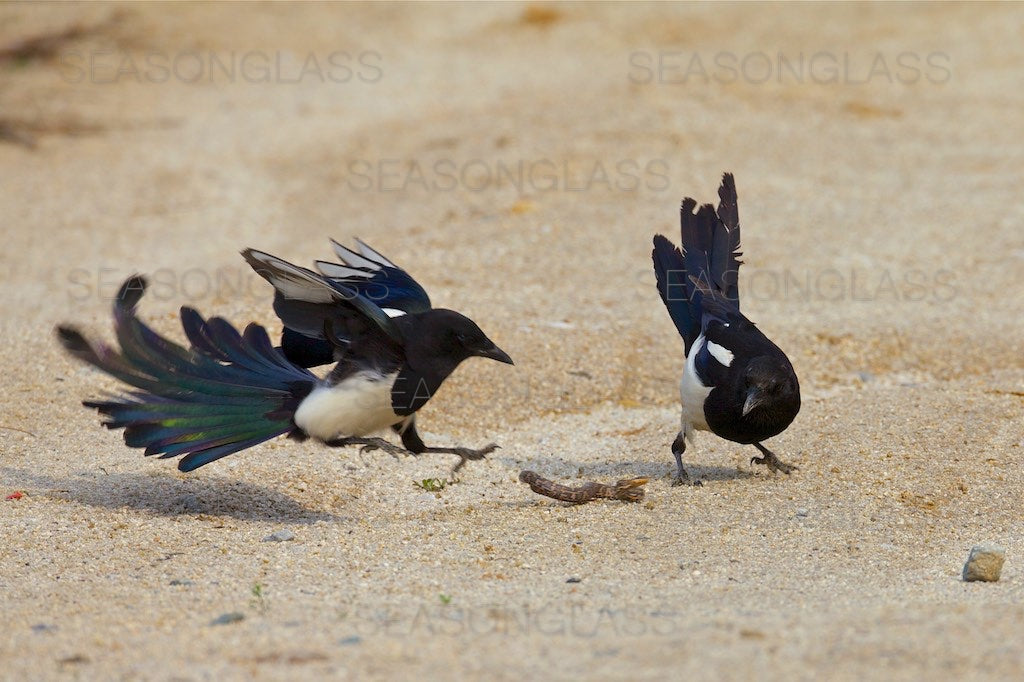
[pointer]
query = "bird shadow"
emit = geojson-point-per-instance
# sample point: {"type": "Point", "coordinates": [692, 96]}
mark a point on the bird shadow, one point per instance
{"type": "Point", "coordinates": [552, 466]}
{"type": "Point", "coordinates": [166, 495]}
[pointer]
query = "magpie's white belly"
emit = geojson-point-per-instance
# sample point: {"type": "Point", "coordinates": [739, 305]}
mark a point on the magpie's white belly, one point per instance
{"type": "Point", "coordinates": [357, 406]}
{"type": "Point", "coordinates": [692, 392]}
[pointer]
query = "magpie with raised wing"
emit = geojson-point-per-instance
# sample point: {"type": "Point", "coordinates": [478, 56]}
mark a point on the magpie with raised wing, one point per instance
{"type": "Point", "coordinates": [319, 328]}
{"type": "Point", "coordinates": [736, 383]}
{"type": "Point", "coordinates": [230, 391]}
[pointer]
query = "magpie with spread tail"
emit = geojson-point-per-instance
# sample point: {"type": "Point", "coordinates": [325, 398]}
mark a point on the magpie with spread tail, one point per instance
{"type": "Point", "coordinates": [736, 382]}
{"type": "Point", "coordinates": [230, 391]}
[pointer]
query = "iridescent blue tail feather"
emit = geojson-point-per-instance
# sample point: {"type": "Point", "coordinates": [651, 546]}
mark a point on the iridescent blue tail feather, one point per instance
{"type": "Point", "coordinates": [226, 393]}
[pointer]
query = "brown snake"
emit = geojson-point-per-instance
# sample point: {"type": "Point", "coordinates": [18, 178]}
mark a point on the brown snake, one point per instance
{"type": "Point", "coordinates": [627, 489]}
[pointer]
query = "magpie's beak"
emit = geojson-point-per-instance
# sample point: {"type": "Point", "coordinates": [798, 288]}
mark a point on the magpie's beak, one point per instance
{"type": "Point", "coordinates": [495, 353]}
{"type": "Point", "coordinates": [754, 398]}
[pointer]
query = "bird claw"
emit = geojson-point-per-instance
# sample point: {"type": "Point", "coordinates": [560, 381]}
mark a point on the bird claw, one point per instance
{"type": "Point", "coordinates": [479, 453]}
{"type": "Point", "coordinates": [467, 454]}
{"type": "Point", "coordinates": [774, 464]}
{"type": "Point", "coordinates": [683, 478]}
{"type": "Point", "coordinates": [393, 450]}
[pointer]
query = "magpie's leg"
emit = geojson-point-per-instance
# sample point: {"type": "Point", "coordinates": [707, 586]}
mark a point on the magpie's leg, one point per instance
{"type": "Point", "coordinates": [678, 448]}
{"type": "Point", "coordinates": [368, 444]}
{"type": "Point", "coordinates": [412, 441]}
{"type": "Point", "coordinates": [769, 459]}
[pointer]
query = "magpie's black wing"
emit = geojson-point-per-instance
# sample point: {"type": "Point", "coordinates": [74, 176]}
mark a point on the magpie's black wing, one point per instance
{"type": "Point", "coordinates": [728, 335]}
{"type": "Point", "coordinates": [303, 304]}
{"type": "Point", "coordinates": [311, 305]}
{"type": "Point", "coordinates": [376, 278]}
{"type": "Point", "coordinates": [674, 288]}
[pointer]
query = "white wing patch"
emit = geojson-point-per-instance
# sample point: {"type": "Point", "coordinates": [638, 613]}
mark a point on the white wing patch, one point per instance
{"type": "Point", "coordinates": [373, 254]}
{"type": "Point", "coordinates": [335, 271]}
{"type": "Point", "coordinates": [350, 257]}
{"type": "Point", "coordinates": [393, 312]}
{"type": "Point", "coordinates": [720, 353]}
{"type": "Point", "coordinates": [292, 281]}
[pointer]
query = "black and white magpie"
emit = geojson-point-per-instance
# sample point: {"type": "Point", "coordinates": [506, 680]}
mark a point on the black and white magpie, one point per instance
{"type": "Point", "coordinates": [736, 382]}
{"type": "Point", "coordinates": [230, 391]}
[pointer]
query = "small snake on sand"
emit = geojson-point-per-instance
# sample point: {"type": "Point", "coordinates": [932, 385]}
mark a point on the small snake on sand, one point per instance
{"type": "Point", "coordinates": [627, 489]}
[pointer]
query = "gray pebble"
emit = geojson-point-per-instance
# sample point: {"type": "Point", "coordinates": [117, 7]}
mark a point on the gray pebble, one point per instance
{"type": "Point", "coordinates": [574, 579]}
{"type": "Point", "coordinates": [44, 627]}
{"type": "Point", "coordinates": [280, 536]}
{"type": "Point", "coordinates": [801, 512]}
{"type": "Point", "coordinates": [186, 582]}
{"type": "Point", "coordinates": [227, 618]}
{"type": "Point", "coordinates": [985, 563]}
{"type": "Point", "coordinates": [353, 639]}
{"type": "Point", "coordinates": [426, 501]}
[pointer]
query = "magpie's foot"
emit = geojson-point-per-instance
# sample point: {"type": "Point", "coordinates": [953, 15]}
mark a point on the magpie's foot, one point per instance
{"type": "Point", "coordinates": [773, 463]}
{"type": "Point", "coordinates": [479, 453]}
{"type": "Point", "coordinates": [683, 478]}
{"type": "Point", "coordinates": [466, 454]}
{"type": "Point", "coordinates": [372, 444]}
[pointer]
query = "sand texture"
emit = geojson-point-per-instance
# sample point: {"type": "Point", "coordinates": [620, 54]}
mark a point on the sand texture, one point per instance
{"type": "Point", "coordinates": [517, 160]}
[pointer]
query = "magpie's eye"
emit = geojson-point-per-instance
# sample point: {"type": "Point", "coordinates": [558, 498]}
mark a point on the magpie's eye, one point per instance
{"type": "Point", "coordinates": [461, 338]}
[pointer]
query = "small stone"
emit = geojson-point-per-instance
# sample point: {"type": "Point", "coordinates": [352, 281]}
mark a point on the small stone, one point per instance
{"type": "Point", "coordinates": [352, 639]}
{"type": "Point", "coordinates": [228, 618]}
{"type": "Point", "coordinates": [425, 500]}
{"type": "Point", "coordinates": [985, 563]}
{"type": "Point", "coordinates": [280, 536]}
{"type": "Point", "coordinates": [574, 580]}
{"type": "Point", "coordinates": [44, 627]}
{"type": "Point", "coordinates": [801, 512]}
{"type": "Point", "coordinates": [183, 582]}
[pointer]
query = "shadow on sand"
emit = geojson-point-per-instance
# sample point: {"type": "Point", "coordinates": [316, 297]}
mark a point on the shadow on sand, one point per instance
{"type": "Point", "coordinates": [167, 495]}
{"type": "Point", "coordinates": [559, 468]}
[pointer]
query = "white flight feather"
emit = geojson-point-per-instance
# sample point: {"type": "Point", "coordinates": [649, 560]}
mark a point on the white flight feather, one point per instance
{"type": "Point", "coordinates": [293, 281]}
{"type": "Point", "coordinates": [350, 257]}
{"type": "Point", "coordinates": [336, 271]}
{"type": "Point", "coordinates": [373, 254]}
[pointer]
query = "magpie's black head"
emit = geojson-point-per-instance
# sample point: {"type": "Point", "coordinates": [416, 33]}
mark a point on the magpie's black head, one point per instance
{"type": "Point", "coordinates": [770, 390]}
{"type": "Point", "coordinates": [444, 338]}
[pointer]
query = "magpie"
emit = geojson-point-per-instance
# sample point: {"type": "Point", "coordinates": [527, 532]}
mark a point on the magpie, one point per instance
{"type": "Point", "coordinates": [318, 328]}
{"type": "Point", "coordinates": [230, 391]}
{"type": "Point", "coordinates": [736, 383]}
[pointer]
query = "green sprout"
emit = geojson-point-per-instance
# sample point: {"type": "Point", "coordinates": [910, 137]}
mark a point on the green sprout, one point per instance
{"type": "Point", "coordinates": [259, 599]}
{"type": "Point", "coordinates": [431, 485]}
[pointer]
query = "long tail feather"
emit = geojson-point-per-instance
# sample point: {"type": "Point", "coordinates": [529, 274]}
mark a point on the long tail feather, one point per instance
{"type": "Point", "coordinates": [725, 247]}
{"type": "Point", "coordinates": [227, 393]}
{"type": "Point", "coordinates": [704, 274]}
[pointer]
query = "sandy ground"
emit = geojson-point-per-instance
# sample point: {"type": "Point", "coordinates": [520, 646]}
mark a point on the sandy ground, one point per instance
{"type": "Point", "coordinates": [880, 187]}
